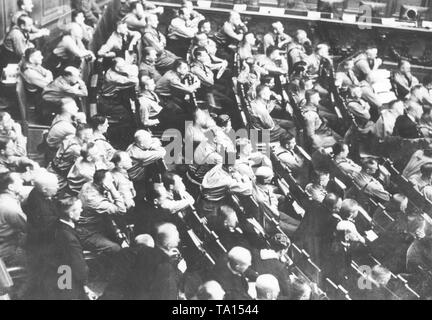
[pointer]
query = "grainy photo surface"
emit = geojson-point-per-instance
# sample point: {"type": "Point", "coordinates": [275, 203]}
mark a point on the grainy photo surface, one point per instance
{"type": "Point", "coordinates": [233, 151]}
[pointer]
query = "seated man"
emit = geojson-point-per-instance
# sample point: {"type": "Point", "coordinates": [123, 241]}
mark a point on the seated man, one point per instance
{"type": "Point", "coordinates": [423, 179]}
{"type": "Point", "coordinates": [9, 160]}
{"type": "Point", "coordinates": [248, 162]}
{"type": "Point", "coordinates": [316, 128]}
{"type": "Point", "coordinates": [100, 127]}
{"type": "Point", "coordinates": [101, 203]}
{"type": "Point", "coordinates": [366, 62]}
{"type": "Point", "coordinates": [419, 94]}
{"type": "Point", "coordinates": [173, 88]}
{"type": "Point", "coordinates": [419, 158]}
{"type": "Point", "coordinates": [25, 9]}
{"type": "Point", "coordinates": [384, 126]}
{"type": "Point", "coordinates": [277, 37]}
{"type": "Point", "coordinates": [122, 163]}
{"type": "Point", "coordinates": [78, 18]}
{"type": "Point", "coordinates": [296, 49]}
{"type": "Point", "coordinates": [62, 127]}
{"type": "Point", "coordinates": [70, 51]}
{"type": "Point", "coordinates": [217, 184]}
{"type": "Point", "coordinates": [231, 33]}
{"type": "Point", "coordinates": [261, 108]}
{"type": "Point", "coordinates": [68, 85]}
{"type": "Point", "coordinates": [121, 41]}
{"type": "Point", "coordinates": [145, 152]}
{"type": "Point", "coordinates": [150, 107]}
{"type": "Point", "coordinates": [36, 78]}
{"type": "Point", "coordinates": [317, 189]}
{"type": "Point", "coordinates": [85, 167]}
{"type": "Point", "coordinates": [271, 202]}
{"type": "Point", "coordinates": [116, 101]}
{"type": "Point", "coordinates": [230, 273]}
{"type": "Point", "coordinates": [340, 158]}
{"type": "Point", "coordinates": [16, 42]}
{"type": "Point", "coordinates": [147, 68]}
{"type": "Point", "coordinates": [136, 16]}
{"type": "Point", "coordinates": [152, 37]}
{"type": "Point", "coordinates": [289, 157]}
{"type": "Point", "coordinates": [182, 30]}
{"type": "Point", "coordinates": [91, 9]}
{"type": "Point", "coordinates": [13, 221]}
{"type": "Point", "coordinates": [403, 80]}
{"type": "Point", "coordinates": [406, 126]}
{"type": "Point", "coordinates": [69, 152]}
{"type": "Point", "coordinates": [368, 184]}
{"type": "Point", "coordinates": [358, 107]}
{"type": "Point", "coordinates": [201, 67]}
{"type": "Point", "coordinates": [272, 62]}
{"type": "Point", "coordinates": [12, 130]}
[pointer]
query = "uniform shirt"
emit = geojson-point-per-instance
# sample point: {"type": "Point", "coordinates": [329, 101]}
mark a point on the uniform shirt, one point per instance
{"type": "Point", "coordinates": [149, 70]}
{"type": "Point", "coordinates": [223, 36]}
{"type": "Point", "coordinates": [218, 183]}
{"type": "Point", "coordinates": [169, 81]}
{"type": "Point", "coordinates": [60, 89]}
{"type": "Point", "coordinates": [289, 158]}
{"type": "Point", "coordinates": [125, 187]}
{"type": "Point", "coordinates": [117, 43]}
{"type": "Point", "coordinates": [417, 160]}
{"type": "Point", "coordinates": [142, 158]}
{"type": "Point", "coordinates": [155, 39]}
{"type": "Point", "coordinates": [204, 73]}
{"type": "Point", "coordinates": [115, 82]}
{"type": "Point", "coordinates": [359, 108]}
{"type": "Point", "coordinates": [90, 8]}
{"type": "Point", "coordinates": [371, 186]}
{"type": "Point", "coordinates": [81, 173]}
{"type": "Point", "coordinates": [418, 182]}
{"type": "Point", "coordinates": [68, 153]}
{"type": "Point", "coordinates": [347, 166]}
{"type": "Point", "coordinates": [261, 115]}
{"type": "Point", "coordinates": [97, 204]}
{"type": "Point", "coordinates": [384, 126]}
{"type": "Point", "coordinates": [18, 139]}
{"type": "Point", "coordinates": [36, 77]}
{"type": "Point", "coordinates": [104, 146]}
{"type": "Point", "coordinates": [61, 128]}
{"type": "Point", "coordinates": [17, 41]}
{"type": "Point", "coordinates": [179, 28]}
{"type": "Point", "coordinates": [13, 223]}
{"type": "Point", "coordinates": [70, 48]}
{"type": "Point", "coordinates": [316, 192]}
{"type": "Point", "coordinates": [149, 108]}
{"type": "Point", "coordinates": [272, 39]}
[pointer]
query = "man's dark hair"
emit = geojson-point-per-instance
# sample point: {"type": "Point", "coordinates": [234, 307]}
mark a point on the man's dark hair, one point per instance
{"type": "Point", "coordinates": [6, 180]}
{"type": "Point", "coordinates": [310, 93]}
{"type": "Point", "coordinates": [28, 53]}
{"type": "Point", "coordinates": [4, 142]}
{"type": "Point", "coordinates": [64, 205]}
{"type": "Point", "coordinates": [330, 200]}
{"type": "Point", "coordinates": [270, 50]}
{"type": "Point", "coordinates": [147, 50]}
{"type": "Point", "coordinates": [402, 62]}
{"type": "Point", "coordinates": [97, 121]}
{"type": "Point", "coordinates": [81, 127]}
{"type": "Point", "coordinates": [22, 20]}
{"type": "Point", "coordinates": [368, 163]}
{"type": "Point", "coordinates": [338, 148]}
{"type": "Point", "coordinates": [133, 5]}
{"type": "Point", "coordinates": [198, 52]}
{"type": "Point", "coordinates": [168, 179]}
{"type": "Point", "coordinates": [202, 22]}
{"type": "Point", "coordinates": [178, 63]}
{"type": "Point", "coordinates": [260, 89]}
{"type": "Point", "coordinates": [117, 158]}
{"type": "Point", "coordinates": [75, 14]}
{"type": "Point", "coordinates": [99, 177]}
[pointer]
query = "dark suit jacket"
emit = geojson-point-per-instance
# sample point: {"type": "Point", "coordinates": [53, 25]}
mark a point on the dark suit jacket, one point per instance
{"type": "Point", "coordinates": [41, 218]}
{"type": "Point", "coordinates": [66, 251]}
{"type": "Point", "coordinates": [156, 276]}
{"type": "Point", "coordinates": [274, 267]}
{"type": "Point", "coordinates": [406, 128]}
{"type": "Point", "coordinates": [236, 287]}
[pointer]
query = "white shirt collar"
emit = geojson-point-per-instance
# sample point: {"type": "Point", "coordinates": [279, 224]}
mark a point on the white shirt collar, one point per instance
{"type": "Point", "coordinates": [69, 223]}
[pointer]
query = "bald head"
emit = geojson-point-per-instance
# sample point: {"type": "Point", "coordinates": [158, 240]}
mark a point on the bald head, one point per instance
{"type": "Point", "coordinates": [211, 290]}
{"type": "Point", "coordinates": [167, 236]}
{"type": "Point", "coordinates": [143, 138]}
{"type": "Point", "coordinates": [46, 183]}
{"type": "Point", "coordinates": [240, 259]}
{"type": "Point", "coordinates": [145, 240]}
{"type": "Point", "coordinates": [267, 287]}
